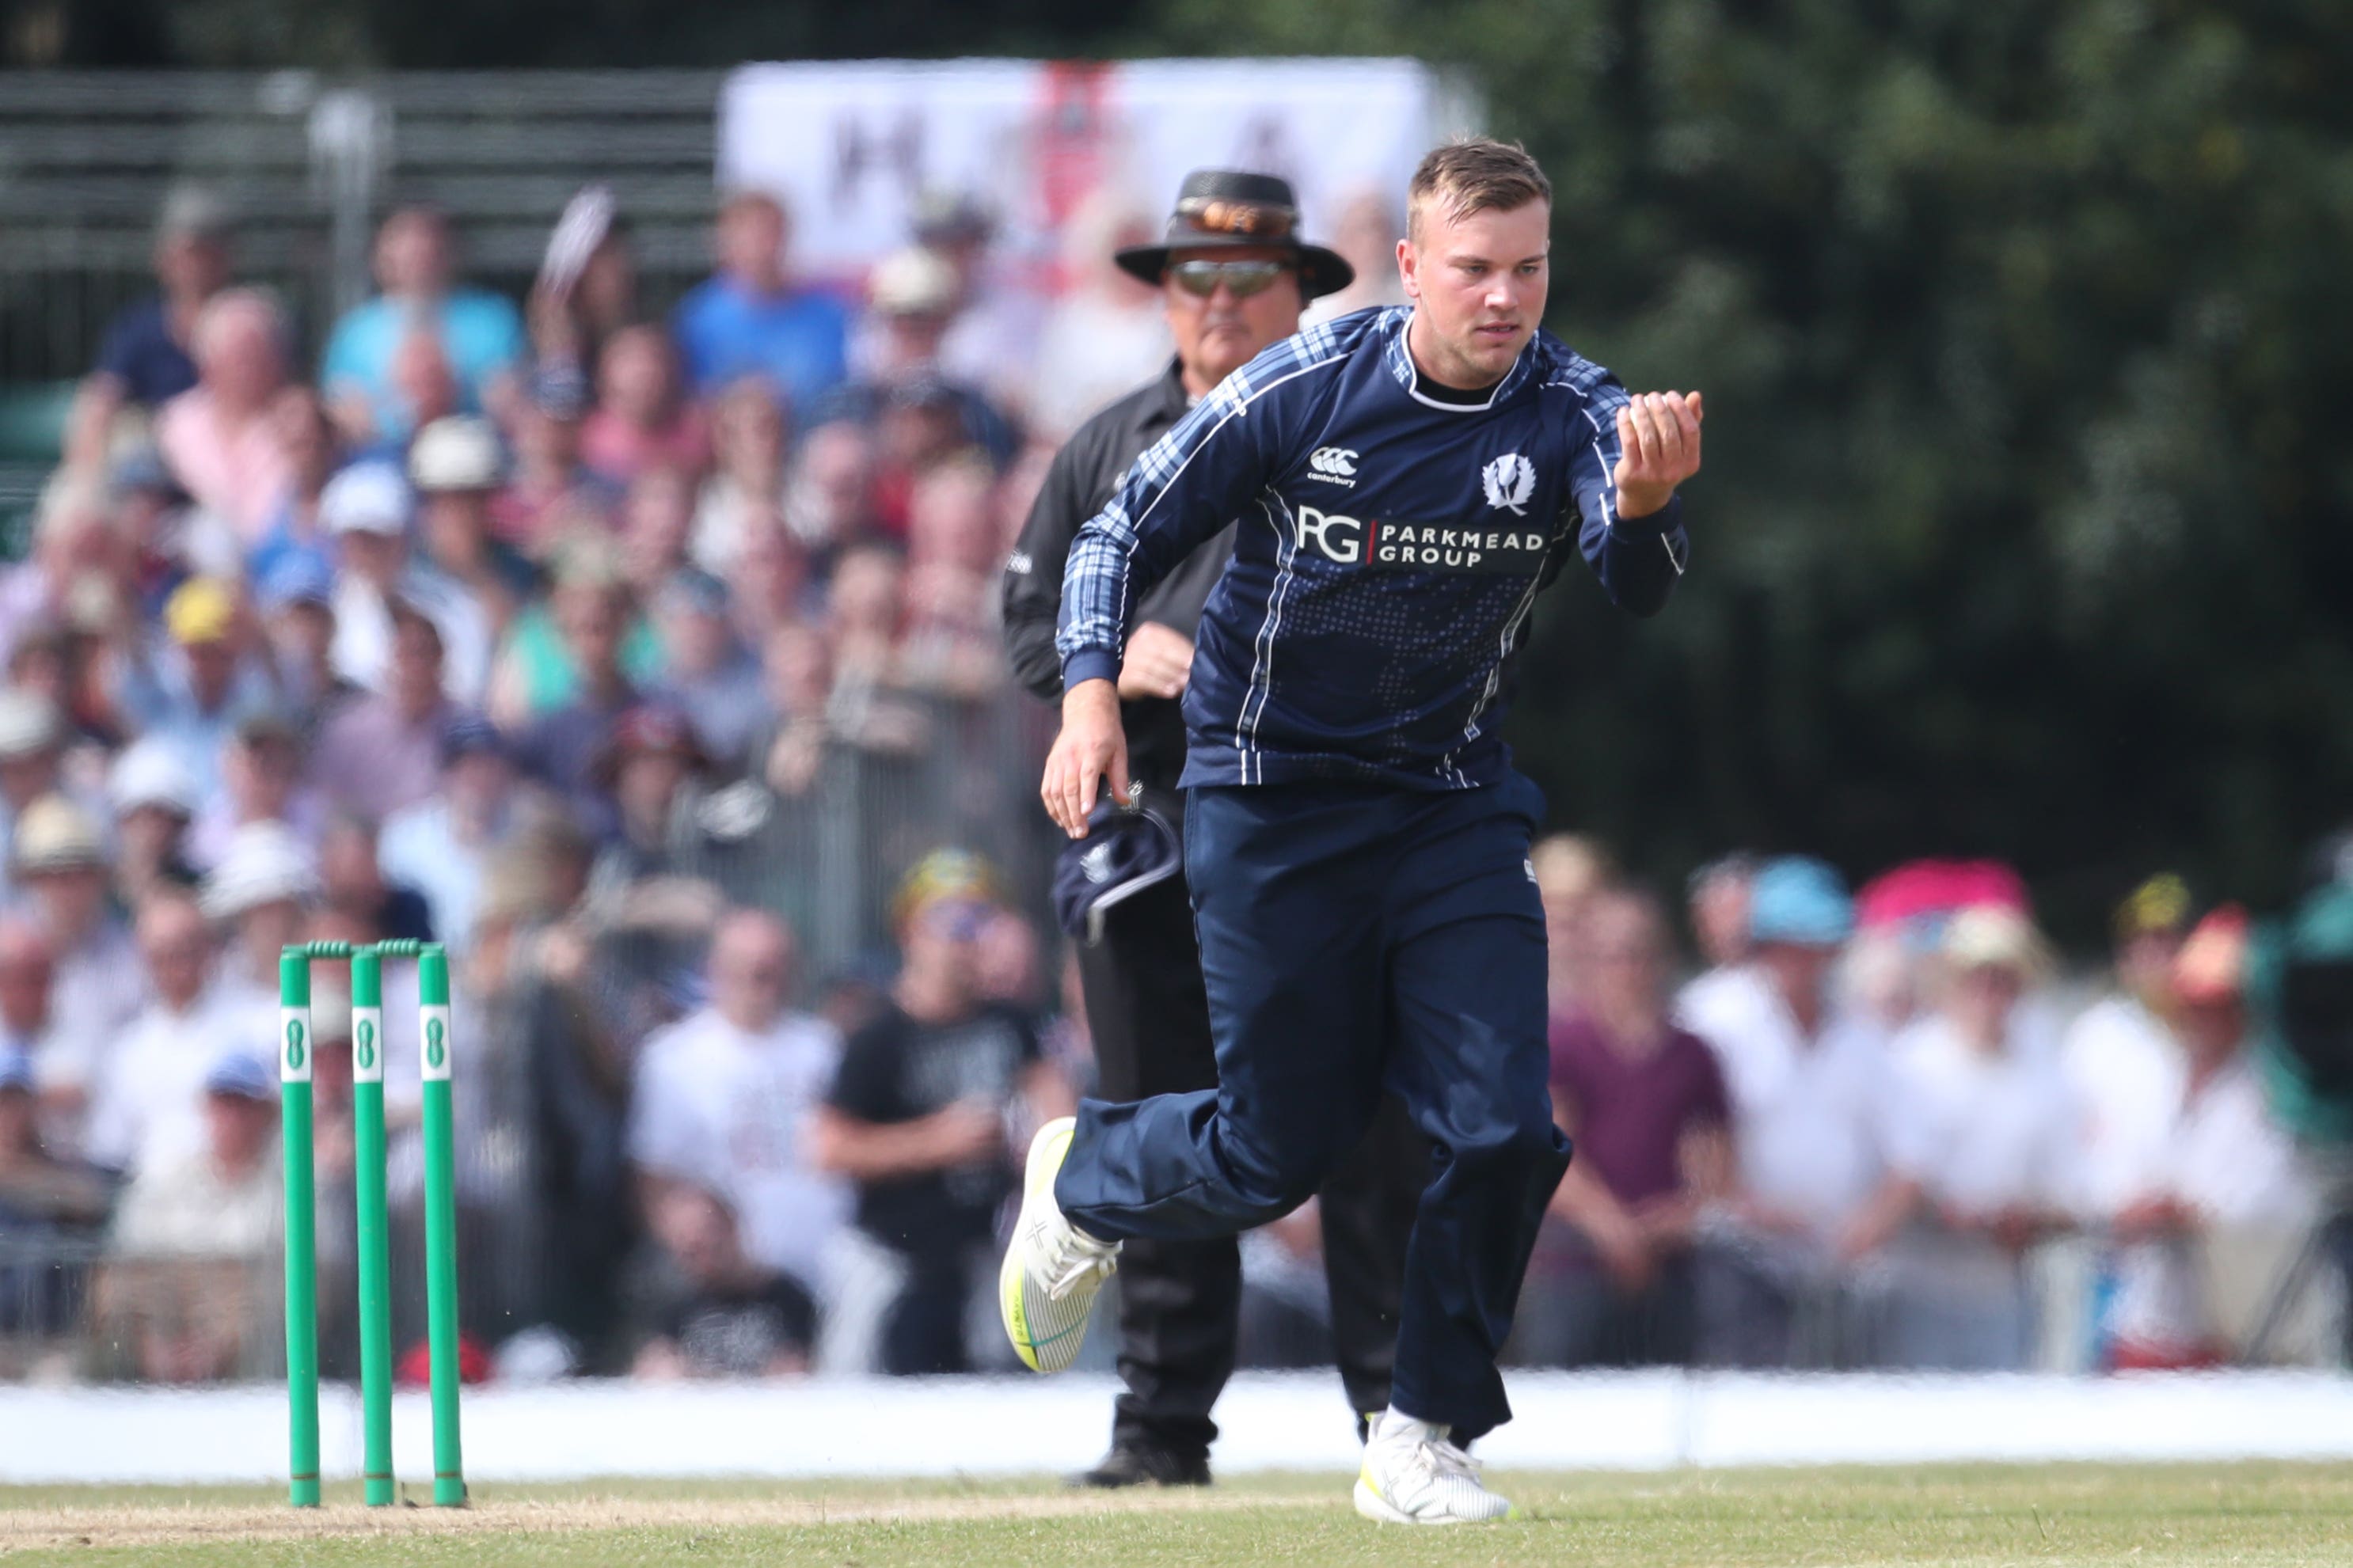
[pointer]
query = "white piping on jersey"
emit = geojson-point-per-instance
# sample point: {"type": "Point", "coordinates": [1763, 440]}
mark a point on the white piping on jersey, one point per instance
{"type": "Point", "coordinates": [1495, 674]}
{"type": "Point", "coordinates": [1261, 686]}
{"type": "Point", "coordinates": [1135, 525]}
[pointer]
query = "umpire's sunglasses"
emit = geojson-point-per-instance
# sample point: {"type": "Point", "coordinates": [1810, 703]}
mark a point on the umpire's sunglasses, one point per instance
{"type": "Point", "coordinates": [1244, 277]}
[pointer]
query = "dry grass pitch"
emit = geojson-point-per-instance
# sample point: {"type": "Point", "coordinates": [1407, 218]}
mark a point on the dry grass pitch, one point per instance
{"type": "Point", "coordinates": [2073, 1515]}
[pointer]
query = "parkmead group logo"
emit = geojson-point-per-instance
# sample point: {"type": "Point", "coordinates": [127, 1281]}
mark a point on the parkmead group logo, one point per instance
{"type": "Point", "coordinates": [294, 1046]}
{"type": "Point", "coordinates": [1510, 480]}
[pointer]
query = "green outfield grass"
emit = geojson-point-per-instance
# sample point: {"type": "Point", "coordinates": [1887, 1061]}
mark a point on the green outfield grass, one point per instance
{"type": "Point", "coordinates": [2258, 1515]}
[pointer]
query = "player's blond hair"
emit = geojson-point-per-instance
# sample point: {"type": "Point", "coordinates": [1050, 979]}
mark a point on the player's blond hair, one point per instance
{"type": "Point", "coordinates": [1477, 173]}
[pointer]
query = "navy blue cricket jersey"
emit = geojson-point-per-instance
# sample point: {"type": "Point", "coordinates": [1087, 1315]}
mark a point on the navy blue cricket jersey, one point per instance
{"type": "Point", "coordinates": [1389, 548]}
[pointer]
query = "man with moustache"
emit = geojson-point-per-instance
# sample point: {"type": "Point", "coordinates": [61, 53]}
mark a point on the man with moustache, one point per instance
{"type": "Point", "coordinates": [1234, 277]}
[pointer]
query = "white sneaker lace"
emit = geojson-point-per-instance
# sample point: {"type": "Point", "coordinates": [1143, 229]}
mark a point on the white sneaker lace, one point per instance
{"type": "Point", "coordinates": [1434, 1457]}
{"type": "Point", "coordinates": [1071, 1258]}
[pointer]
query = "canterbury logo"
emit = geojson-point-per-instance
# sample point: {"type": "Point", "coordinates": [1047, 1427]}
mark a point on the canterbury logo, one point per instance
{"type": "Point", "coordinates": [1510, 480]}
{"type": "Point", "coordinates": [1334, 462]}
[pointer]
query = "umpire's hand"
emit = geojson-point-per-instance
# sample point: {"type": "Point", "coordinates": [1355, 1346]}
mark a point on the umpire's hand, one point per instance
{"type": "Point", "coordinates": [1090, 746]}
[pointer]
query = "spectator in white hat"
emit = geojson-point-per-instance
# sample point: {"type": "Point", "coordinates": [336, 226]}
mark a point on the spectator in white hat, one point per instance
{"type": "Point", "coordinates": [1991, 1139]}
{"type": "Point", "coordinates": [146, 1101]}
{"type": "Point", "coordinates": [457, 467]}
{"type": "Point", "coordinates": [59, 858]}
{"type": "Point", "coordinates": [259, 891]}
{"type": "Point", "coordinates": [367, 508]}
{"type": "Point", "coordinates": [32, 738]}
{"type": "Point", "coordinates": [155, 800]}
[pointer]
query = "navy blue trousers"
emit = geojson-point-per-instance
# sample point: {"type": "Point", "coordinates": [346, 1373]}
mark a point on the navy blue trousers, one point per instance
{"type": "Point", "coordinates": [1355, 936]}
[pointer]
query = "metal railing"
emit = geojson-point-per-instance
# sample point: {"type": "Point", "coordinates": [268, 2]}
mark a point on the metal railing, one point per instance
{"type": "Point", "coordinates": [307, 163]}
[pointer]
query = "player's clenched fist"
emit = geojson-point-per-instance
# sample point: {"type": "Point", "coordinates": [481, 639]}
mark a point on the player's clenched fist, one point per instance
{"type": "Point", "coordinates": [1658, 437]}
{"type": "Point", "coordinates": [1090, 746]}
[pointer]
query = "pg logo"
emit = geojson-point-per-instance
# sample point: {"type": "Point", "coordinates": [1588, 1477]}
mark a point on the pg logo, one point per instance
{"type": "Point", "coordinates": [1334, 462]}
{"type": "Point", "coordinates": [1335, 538]}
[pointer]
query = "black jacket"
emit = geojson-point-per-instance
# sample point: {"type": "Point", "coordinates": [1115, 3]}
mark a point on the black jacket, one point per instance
{"type": "Point", "coordinates": [1084, 476]}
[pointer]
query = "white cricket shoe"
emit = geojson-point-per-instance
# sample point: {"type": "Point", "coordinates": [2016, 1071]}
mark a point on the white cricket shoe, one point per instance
{"type": "Point", "coordinates": [1414, 1475]}
{"type": "Point", "coordinates": [1052, 1269]}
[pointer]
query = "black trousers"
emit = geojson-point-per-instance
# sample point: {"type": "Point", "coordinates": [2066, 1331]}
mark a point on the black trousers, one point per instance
{"type": "Point", "coordinates": [1179, 1301]}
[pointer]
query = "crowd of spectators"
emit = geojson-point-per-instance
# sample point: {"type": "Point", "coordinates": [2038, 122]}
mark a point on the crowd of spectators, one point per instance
{"type": "Point", "coordinates": [1878, 1129]}
{"type": "Point", "coordinates": [544, 629]}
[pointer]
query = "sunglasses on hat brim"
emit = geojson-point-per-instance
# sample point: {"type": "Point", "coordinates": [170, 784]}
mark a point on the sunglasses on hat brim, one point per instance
{"type": "Point", "coordinates": [1243, 278]}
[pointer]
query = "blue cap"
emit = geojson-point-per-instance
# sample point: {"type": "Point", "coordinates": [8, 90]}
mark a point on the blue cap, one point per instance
{"type": "Point", "coordinates": [1124, 853]}
{"type": "Point", "coordinates": [15, 1071]}
{"type": "Point", "coordinates": [297, 577]}
{"type": "Point", "coordinates": [470, 734]}
{"type": "Point", "coordinates": [242, 1074]}
{"type": "Point", "coordinates": [1799, 900]}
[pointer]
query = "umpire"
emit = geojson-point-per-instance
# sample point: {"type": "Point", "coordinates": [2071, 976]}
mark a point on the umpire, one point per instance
{"type": "Point", "coordinates": [1234, 277]}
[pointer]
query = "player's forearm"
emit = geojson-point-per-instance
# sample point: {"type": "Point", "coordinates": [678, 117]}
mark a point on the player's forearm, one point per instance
{"type": "Point", "coordinates": [1640, 559]}
{"type": "Point", "coordinates": [1100, 590]}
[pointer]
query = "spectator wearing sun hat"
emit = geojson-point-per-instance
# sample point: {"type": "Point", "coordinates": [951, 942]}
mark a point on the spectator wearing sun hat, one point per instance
{"type": "Point", "coordinates": [1991, 1133]}
{"type": "Point", "coordinates": [455, 466]}
{"type": "Point", "coordinates": [368, 508]}
{"type": "Point", "coordinates": [58, 861]}
{"type": "Point", "coordinates": [32, 740]}
{"type": "Point", "coordinates": [257, 892]}
{"type": "Point", "coordinates": [154, 800]}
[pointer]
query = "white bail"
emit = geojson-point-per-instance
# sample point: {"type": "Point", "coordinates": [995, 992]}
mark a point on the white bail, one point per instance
{"type": "Point", "coordinates": [434, 1047]}
{"type": "Point", "coordinates": [293, 1045]}
{"type": "Point", "coordinates": [367, 1045]}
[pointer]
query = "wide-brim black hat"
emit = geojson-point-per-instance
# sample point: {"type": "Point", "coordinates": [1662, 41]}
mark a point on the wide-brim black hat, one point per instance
{"type": "Point", "coordinates": [1221, 207]}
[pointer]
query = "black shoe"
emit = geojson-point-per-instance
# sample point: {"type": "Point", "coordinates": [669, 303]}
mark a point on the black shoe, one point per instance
{"type": "Point", "coordinates": [1139, 1467]}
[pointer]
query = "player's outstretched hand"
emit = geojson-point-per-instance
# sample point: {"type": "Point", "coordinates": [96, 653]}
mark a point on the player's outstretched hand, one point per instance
{"type": "Point", "coordinates": [1658, 439]}
{"type": "Point", "coordinates": [1090, 747]}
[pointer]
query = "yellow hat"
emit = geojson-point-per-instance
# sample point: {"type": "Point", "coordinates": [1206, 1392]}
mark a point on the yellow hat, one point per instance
{"type": "Point", "coordinates": [942, 875]}
{"type": "Point", "coordinates": [200, 610]}
{"type": "Point", "coordinates": [55, 835]}
{"type": "Point", "coordinates": [2160, 904]}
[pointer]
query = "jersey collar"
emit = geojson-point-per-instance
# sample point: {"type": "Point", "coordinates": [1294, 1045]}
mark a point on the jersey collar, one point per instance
{"type": "Point", "coordinates": [1400, 365]}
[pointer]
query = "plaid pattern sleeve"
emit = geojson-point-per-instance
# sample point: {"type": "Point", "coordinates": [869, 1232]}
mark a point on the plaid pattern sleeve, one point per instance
{"type": "Point", "coordinates": [1178, 496]}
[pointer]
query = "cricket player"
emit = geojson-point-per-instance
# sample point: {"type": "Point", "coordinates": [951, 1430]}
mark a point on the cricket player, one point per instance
{"type": "Point", "coordinates": [1404, 482]}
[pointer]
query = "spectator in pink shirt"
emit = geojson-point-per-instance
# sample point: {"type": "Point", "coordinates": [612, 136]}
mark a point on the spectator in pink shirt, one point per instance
{"type": "Point", "coordinates": [219, 436]}
{"type": "Point", "coordinates": [642, 417]}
